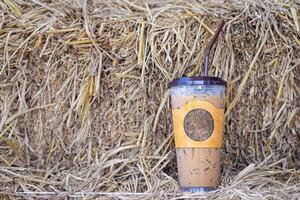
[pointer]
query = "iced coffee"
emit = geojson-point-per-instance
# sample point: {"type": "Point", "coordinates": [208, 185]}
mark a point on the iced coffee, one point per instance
{"type": "Point", "coordinates": [198, 112]}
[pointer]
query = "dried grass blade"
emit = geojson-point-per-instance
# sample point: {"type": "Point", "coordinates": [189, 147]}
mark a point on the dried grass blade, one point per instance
{"type": "Point", "coordinates": [244, 81]}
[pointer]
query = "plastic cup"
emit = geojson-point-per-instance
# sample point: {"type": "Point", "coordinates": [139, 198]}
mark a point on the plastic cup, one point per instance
{"type": "Point", "coordinates": [198, 115]}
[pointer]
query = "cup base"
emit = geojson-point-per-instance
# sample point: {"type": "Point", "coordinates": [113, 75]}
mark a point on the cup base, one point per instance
{"type": "Point", "coordinates": [197, 189]}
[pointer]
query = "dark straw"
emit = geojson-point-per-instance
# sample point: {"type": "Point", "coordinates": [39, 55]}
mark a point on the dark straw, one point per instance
{"type": "Point", "coordinates": [210, 45]}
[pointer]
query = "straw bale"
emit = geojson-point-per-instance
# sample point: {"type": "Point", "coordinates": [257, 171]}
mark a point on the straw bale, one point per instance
{"type": "Point", "coordinates": [85, 107]}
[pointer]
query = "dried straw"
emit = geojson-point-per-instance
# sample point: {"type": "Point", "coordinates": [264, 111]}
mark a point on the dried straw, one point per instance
{"type": "Point", "coordinates": [85, 108]}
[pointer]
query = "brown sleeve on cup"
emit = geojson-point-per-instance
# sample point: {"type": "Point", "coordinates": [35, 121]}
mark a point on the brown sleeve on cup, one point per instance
{"type": "Point", "coordinates": [198, 124]}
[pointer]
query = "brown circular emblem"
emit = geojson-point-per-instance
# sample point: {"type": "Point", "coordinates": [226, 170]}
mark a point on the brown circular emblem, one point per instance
{"type": "Point", "coordinates": [198, 124]}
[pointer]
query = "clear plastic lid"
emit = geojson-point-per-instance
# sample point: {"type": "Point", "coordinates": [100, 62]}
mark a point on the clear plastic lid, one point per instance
{"type": "Point", "coordinates": [200, 80]}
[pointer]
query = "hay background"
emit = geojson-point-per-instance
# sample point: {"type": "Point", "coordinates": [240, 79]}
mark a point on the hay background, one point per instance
{"type": "Point", "coordinates": [85, 106]}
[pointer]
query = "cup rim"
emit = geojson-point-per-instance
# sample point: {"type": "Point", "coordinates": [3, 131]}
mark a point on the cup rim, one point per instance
{"type": "Point", "coordinates": [199, 80]}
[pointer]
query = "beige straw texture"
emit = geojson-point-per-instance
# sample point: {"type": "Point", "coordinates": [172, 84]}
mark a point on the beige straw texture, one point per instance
{"type": "Point", "coordinates": [85, 107]}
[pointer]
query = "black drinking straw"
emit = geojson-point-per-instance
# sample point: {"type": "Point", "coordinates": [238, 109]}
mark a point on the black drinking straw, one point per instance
{"type": "Point", "coordinates": [209, 46]}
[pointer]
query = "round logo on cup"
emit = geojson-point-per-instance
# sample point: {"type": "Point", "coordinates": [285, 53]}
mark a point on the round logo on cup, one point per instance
{"type": "Point", "coordinates": [198, 124]}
